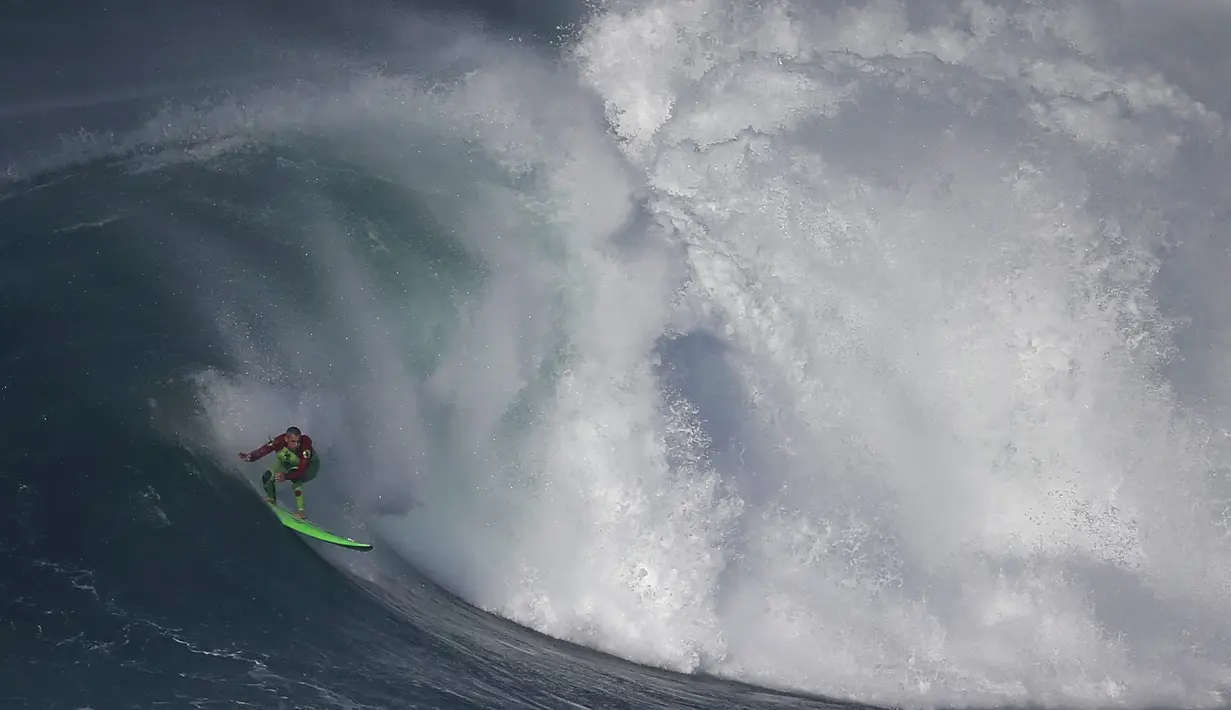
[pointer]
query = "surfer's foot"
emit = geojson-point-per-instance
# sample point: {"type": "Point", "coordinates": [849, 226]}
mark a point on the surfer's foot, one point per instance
{"type": "Point", "coordinates": [270, 500]}
{"type": "Point", "coordinates": [298, 514]}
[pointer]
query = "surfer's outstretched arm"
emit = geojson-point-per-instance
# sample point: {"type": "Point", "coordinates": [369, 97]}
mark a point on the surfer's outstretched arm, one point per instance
{"type": "Point", "coordinates": [265, 450]}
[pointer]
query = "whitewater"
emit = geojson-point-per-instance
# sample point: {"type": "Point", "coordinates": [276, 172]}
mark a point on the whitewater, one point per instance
{"type": "Point", "coordinates": [872, 350]}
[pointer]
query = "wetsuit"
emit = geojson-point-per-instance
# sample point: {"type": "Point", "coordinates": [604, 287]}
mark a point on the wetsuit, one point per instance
{"type": "Point", "coordinates": [298, 467]}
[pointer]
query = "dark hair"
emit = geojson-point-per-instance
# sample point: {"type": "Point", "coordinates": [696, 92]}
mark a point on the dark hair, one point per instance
{"type": "Point", "coordinates": [294, 430]}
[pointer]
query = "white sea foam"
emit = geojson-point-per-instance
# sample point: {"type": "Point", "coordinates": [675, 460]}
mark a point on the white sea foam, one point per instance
{"type": "Point", "coordinates": [931, 237]}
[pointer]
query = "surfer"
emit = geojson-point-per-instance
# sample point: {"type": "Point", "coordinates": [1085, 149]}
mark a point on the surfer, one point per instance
{"type": "Point", "coordinates": [296, 462]}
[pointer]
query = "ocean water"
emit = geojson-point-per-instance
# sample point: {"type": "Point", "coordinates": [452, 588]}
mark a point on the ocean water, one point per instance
{"type": "Point", "coordinates": [672, 353]}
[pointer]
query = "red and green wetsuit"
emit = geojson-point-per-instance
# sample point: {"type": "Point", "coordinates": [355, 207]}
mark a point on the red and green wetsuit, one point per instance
{"type": "Point", "coordinates": [299, 467]}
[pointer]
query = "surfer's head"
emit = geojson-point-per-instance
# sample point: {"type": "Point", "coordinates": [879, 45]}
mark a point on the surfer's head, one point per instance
{"type": "Point", "coordinates": [292, 437]}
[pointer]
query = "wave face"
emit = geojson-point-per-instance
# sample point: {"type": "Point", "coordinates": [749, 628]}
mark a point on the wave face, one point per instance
{"type": "Point", "coordinates": [870, 350]}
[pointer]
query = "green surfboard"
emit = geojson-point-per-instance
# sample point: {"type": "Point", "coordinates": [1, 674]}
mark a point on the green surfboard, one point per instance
{"type": "Point", "coordinates": [315, 531]}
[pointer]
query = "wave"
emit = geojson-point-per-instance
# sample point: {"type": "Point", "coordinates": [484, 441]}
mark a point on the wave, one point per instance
{"type": "Point", "coordinates": [861, 350]}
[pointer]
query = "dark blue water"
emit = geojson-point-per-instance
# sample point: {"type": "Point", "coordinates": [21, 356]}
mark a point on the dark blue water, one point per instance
{"type": "Point", "coordinates": [134, 571]}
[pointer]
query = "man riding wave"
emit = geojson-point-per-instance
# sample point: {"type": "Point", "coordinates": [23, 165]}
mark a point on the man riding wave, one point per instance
{"type": "Point", "coordinates": [296, 461]}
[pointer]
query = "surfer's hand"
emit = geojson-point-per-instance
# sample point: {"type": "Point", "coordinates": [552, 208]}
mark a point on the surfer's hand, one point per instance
{"type": "Point", "coordinates": [244, 455]}
{"type": "Point", "coordinates": [279, 477]}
